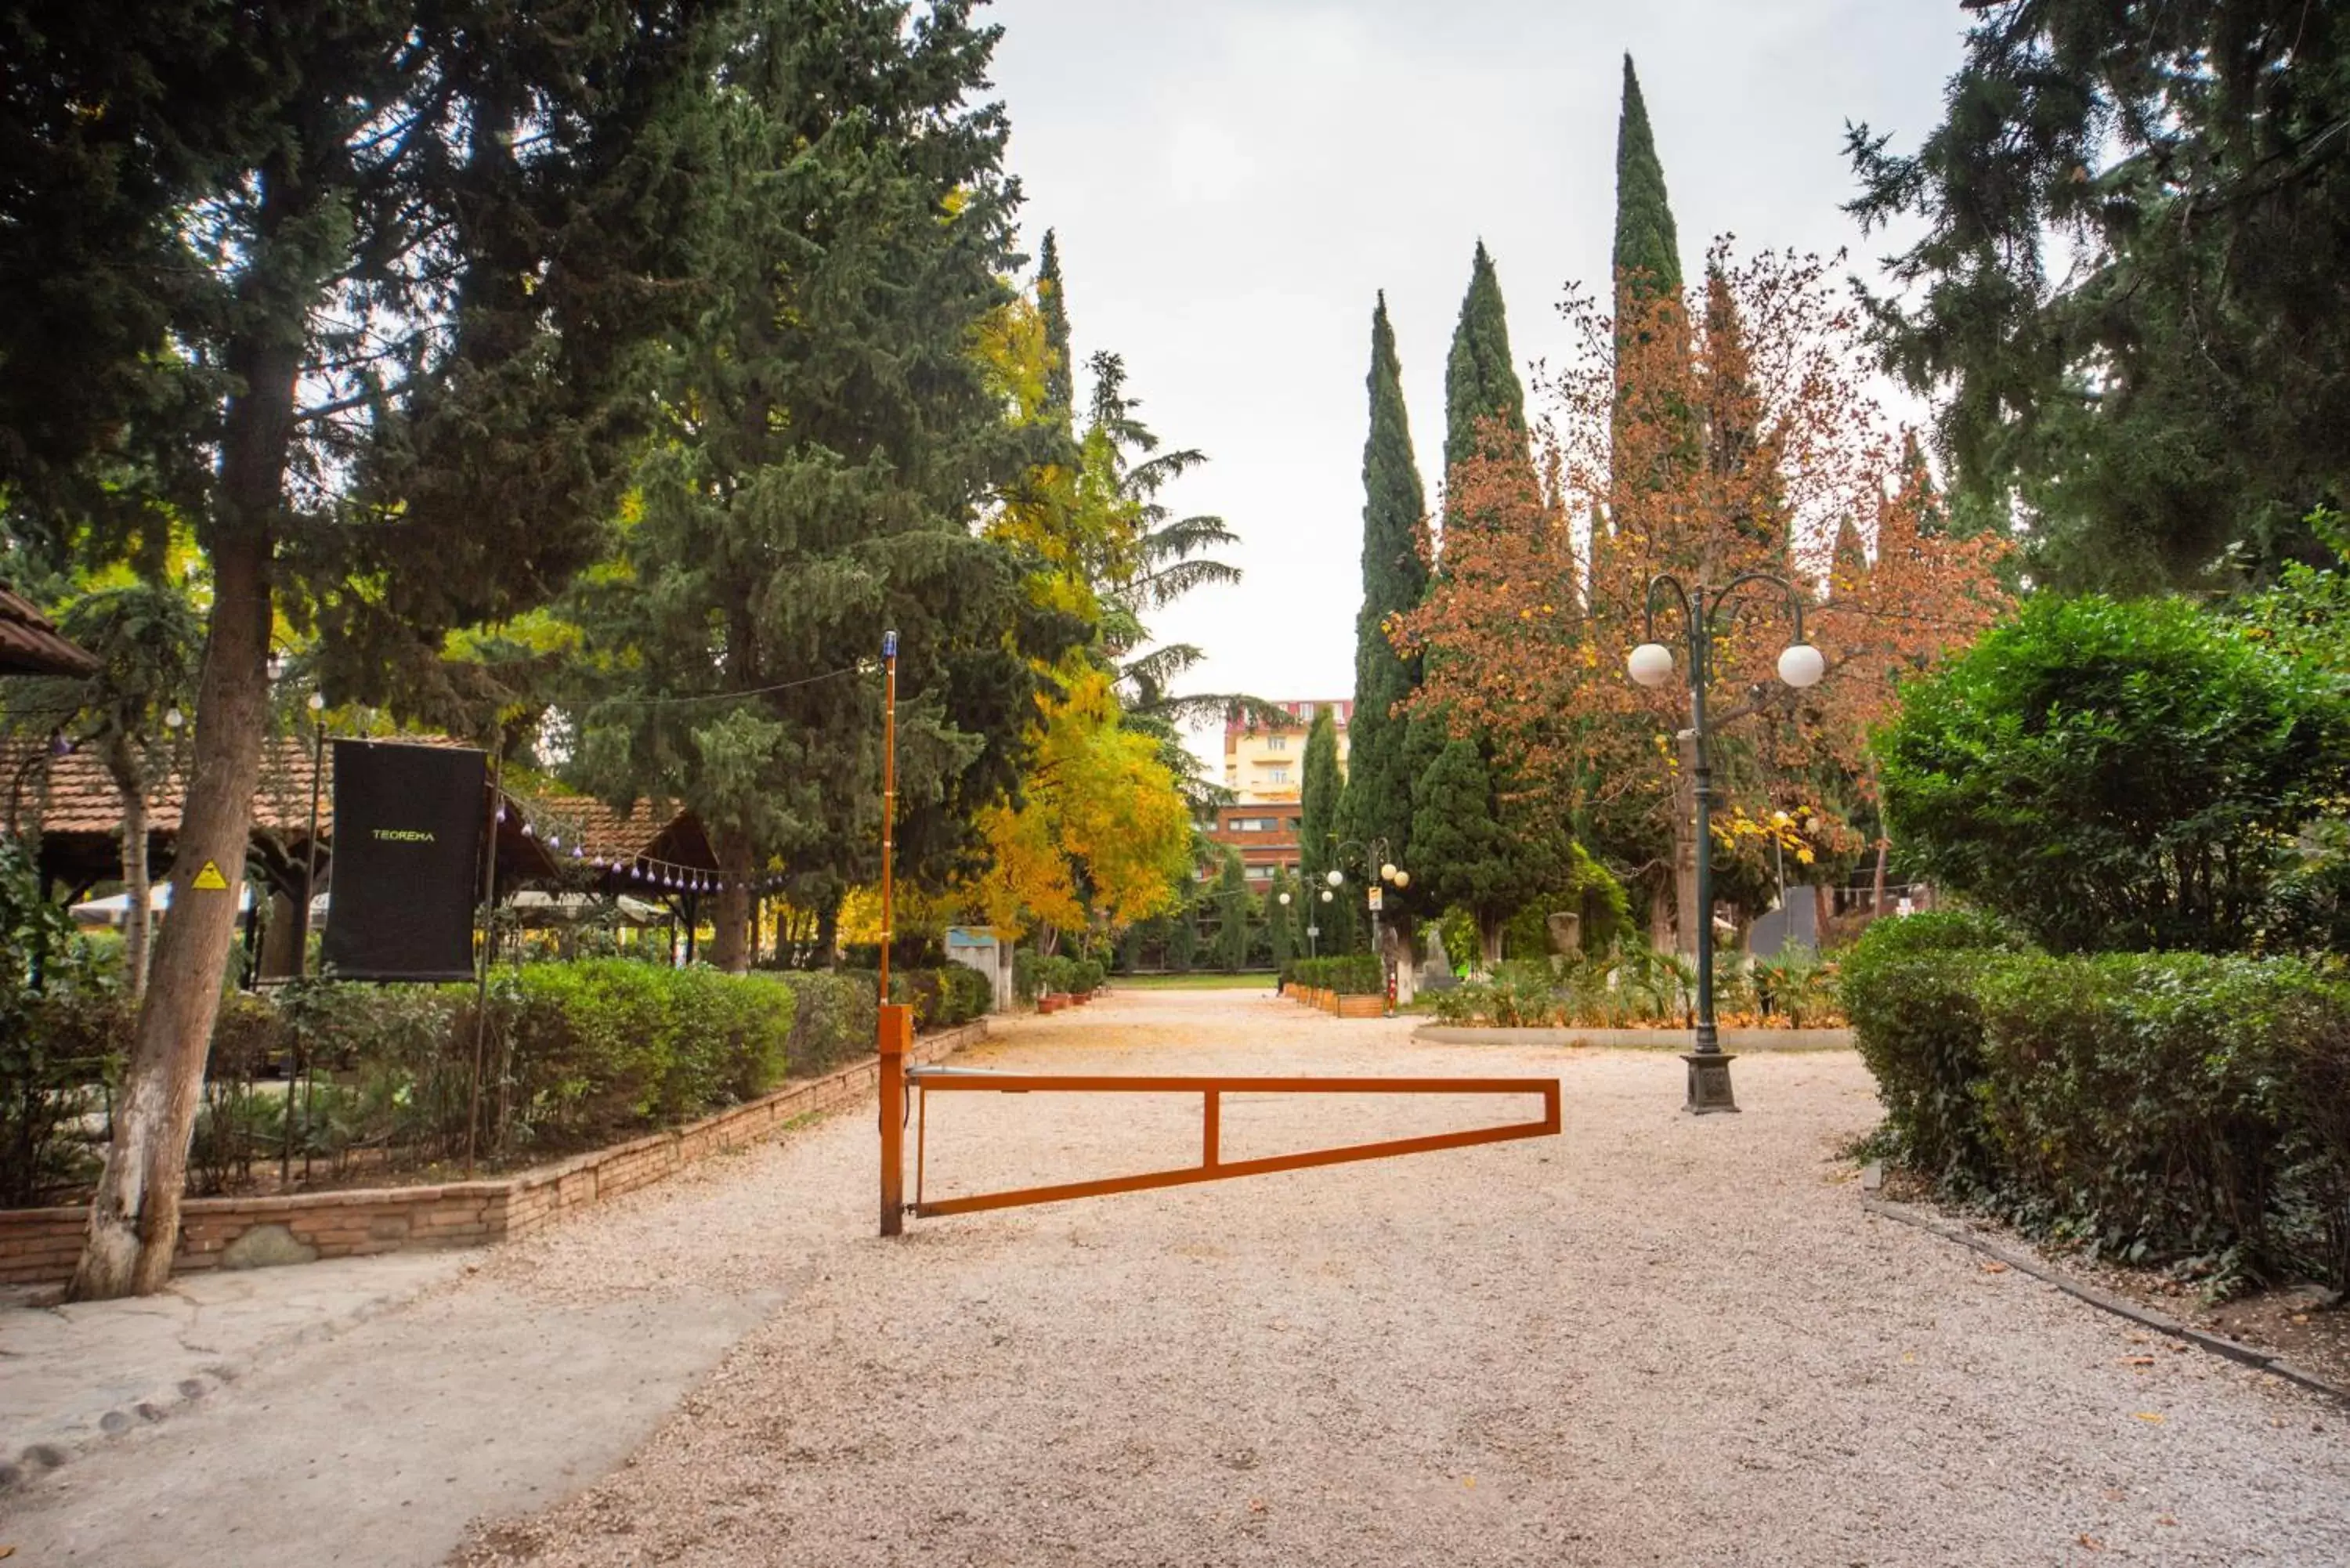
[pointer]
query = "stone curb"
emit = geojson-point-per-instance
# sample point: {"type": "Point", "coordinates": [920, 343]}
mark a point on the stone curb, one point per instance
{"type": "Point", "coordinates": [2145, 1317]}
{"type": "Point", "coordinates": [1734, 1041]}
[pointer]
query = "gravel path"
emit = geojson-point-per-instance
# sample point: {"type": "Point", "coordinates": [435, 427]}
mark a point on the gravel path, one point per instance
{"type": "Point", "coordinates": [1655, 1339]}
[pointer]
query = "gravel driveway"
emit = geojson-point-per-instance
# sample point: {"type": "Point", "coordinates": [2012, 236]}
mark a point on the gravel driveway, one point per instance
{"type": "Point", "coordinates": [1654, 1340]}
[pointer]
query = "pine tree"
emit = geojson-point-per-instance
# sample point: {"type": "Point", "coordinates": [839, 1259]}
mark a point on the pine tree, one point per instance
{"type": "Point", "coordinates": [1480, 379]}
{"type": "Point", "coordinates": [1648, 247]}
{"type": "Point", "coordinates": [831, 434]}
{"type": "Point", "coordinates": [1377, 801]}
{"type": "Point", "coordinates": [383, 379]}
{"type": "Point", "coordinates": [1052, 304]}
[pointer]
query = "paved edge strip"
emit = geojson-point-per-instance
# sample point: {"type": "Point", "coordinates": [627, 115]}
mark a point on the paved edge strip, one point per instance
{"type": "Point", "coordinates": [2145, 1317]}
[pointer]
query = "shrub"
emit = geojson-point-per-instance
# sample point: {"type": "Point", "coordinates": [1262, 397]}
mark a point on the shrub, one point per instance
{"type": "Point", "coordinates": [1355, 974]}
{"type": "Point", "coordinates": [1088, 976]}
{"type": "Point", "coordinates": [1907, 988]}
{"type": "Point", "coordinates": [1025, 978]}
{"type": "Point", "coordinates": [2154, 1106]}
{"type": "Point", "coordinates": [942, 998]}
{"type": "Point", "coordinates": [835, 1020]}
{"type": "Point", "coordinates": [2115, 775]}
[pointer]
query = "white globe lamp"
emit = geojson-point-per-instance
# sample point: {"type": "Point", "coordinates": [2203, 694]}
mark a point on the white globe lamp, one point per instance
{"type": "Point", "coordinates": [1650, 664]}
{"type": "Point", "coordinates": [1802, 665]}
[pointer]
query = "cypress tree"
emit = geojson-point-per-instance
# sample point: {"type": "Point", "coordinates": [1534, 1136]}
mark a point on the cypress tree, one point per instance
{"type": "Point", "coordinates": [1052, 304]}
{"type": "Point", "coordinates": [1648, 247]}
{"type": "Point", "coordinates": [1377, 801]}
{"type": "Point", "coordinates": [1480, 380]}
{"type": "Point", "coordinates": [1321, 806]}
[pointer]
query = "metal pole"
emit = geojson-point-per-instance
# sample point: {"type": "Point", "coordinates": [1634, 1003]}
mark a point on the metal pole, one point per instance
{"type": "Point", "coordinates": [481, 981]}
{"type": "Point", "coordinates": [1708, 1069]}
{"type": "Point", "coordinates": [301, 949]}
{"type": "Point", "coordinates": [897, 1021]}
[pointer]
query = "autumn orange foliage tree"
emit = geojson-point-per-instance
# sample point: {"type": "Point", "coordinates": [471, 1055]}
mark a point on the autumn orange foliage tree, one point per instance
{"type": "Point", "coordinates": [1725, 429]}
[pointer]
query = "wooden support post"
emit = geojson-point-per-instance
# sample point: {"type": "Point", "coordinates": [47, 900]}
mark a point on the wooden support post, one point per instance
{"type": "Point", "coordinates": [1211, 1131]}
{"type": "Point", "coordinates": [897, 1037]}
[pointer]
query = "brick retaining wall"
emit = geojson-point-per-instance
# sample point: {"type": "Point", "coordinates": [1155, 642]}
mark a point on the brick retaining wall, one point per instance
{"type": "Point", "coordinates": [39, 1246]}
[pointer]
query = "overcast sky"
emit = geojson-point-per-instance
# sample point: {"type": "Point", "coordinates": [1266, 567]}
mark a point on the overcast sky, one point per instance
{"type": "Point", "coordinates": [1233, 180]}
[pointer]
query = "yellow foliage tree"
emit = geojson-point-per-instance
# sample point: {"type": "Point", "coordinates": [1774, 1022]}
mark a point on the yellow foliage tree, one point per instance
{"type": "Point", "coordinates": [1102, 837]}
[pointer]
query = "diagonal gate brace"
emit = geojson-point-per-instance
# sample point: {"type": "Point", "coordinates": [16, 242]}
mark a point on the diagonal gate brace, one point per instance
{"type": "Point", "coordinates": [1213, 1167]}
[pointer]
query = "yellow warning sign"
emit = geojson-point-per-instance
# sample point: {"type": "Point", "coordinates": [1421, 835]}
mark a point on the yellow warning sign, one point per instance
{"type": "Point", "coordinates": [209, 879]}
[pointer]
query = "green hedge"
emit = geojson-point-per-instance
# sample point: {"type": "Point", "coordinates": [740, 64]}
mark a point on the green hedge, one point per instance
{"type": "Point", "coordinates": [1357, 974]}
{"type": "Point", "coordinates": [2151, 1106]}
{"type": "Point", "coordinates": [943, 998]}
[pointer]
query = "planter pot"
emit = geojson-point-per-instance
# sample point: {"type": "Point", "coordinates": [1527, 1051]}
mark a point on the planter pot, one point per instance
{"type": "Point", "coordinates": [1049, 1005]}
{"type": "Point", "coordinates": [1329, 1003]}
{"type": "Point", "coordinates": [1362, 1006]}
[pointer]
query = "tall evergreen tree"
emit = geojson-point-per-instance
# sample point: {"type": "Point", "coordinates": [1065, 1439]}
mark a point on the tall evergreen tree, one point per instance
{"type": "Point", "coordinates": [353, 293]}
{"type": "Point", "coordinates": [1480, 379]}
{"type": "Point", "coordinates": [1378, 800]}
{"type": "Point", "coordinates": [830, 438]}
{"type": "Point", "coordinates": [1647, 288]}
{"type": "Point", "coordinates": [1321, 808]}
{"type": "Point", "coordinates": [1648, 247]}
{"type": "Point", "coordinates": [1052, 304]}
{"type": "Point", "coordinates": [2129, 287]}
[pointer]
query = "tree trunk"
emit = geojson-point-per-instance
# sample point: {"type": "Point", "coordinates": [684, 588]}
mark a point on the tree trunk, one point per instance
{"type": "Point", "coordinates": [1877, 880]}
{"type": "Point", "coordinates": [131, 781]}
{"type": "Point", "coordinates": [1661, 916]}
{"type": "Point", "coordinates": [730, 923]}
{"type": "Point", "coordinates": [134, 1218]}
{"type": "Point", "coordinates": [1823, 912]}
{"type": "Point", "coordinates": [1489, 940]}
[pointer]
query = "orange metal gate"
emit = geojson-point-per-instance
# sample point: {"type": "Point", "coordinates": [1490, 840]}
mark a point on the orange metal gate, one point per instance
{"type": "Point", "coordinates": [898, 1081]}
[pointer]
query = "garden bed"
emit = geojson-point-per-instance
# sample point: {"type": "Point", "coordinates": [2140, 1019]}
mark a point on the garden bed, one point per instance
{"type": "Point", "coordinates": [1655, 1039]}
{"type": "Point", "coordinates": [39, 1246]}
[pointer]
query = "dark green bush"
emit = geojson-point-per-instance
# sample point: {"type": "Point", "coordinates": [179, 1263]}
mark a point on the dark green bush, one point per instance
{"type": "Point", "coordinates": [1355, 974]}
{"type": "Point", "coordinates": [2117, 775]}
{"type": "Point", "coordinates": [835, 1020]}
{"type": "Point", "coordinates": [942, 998]}
{"type": "Point", "coordinates": [1025, 978]}
{"type": "Point", "coordinates": [2153, 1106]}
{"type": "Point", "coordinates": [1088, 976]}
{"type": "Point", "coordinates": [1908, 989]}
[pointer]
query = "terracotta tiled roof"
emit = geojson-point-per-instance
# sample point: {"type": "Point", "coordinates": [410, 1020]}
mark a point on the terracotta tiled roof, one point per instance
{"type": "Point", "coordinates": [82, 799]}
{"type": "Point", "coordinates": [29, 643]}
{"type": "Point", "coordinates": [81, 796]}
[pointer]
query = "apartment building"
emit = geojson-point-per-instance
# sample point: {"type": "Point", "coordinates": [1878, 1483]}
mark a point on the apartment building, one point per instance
{"type": "Point", "coordinates": [1264, 767]}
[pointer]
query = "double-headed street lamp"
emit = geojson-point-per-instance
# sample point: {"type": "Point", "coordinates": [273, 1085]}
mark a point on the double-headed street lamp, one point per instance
{"type": "Point", "coordinates": [1651, 664]}
{"type": "Point", "coordinates": [1377, 868]}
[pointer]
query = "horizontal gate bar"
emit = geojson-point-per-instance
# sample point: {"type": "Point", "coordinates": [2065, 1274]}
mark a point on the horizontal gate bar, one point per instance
{"type": "Point", "coordinates": [1212, 1167]}
{"type": "Point", "coordinates": [933, 1079]}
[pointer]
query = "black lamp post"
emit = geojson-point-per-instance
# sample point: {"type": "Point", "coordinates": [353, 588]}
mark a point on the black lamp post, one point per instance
{"type": "Point", "coordinates": [1651, 664]}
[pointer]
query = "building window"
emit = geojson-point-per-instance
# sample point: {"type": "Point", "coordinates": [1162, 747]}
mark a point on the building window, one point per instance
{"type": "Point", "coordinates": [1277, 776]}
{"type": "Point", "coordinates": [1277, 742]}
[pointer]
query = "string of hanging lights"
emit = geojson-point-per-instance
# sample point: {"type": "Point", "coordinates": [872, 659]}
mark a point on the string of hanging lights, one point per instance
{"type": "Point", "coordinates": [645, 872]}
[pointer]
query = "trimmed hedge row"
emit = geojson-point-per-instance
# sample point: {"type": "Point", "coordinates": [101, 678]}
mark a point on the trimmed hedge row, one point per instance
{"type": "Point", "coordinates": [1357, 974]}
{"type": "Point", "coordinates": [2154, 1106]}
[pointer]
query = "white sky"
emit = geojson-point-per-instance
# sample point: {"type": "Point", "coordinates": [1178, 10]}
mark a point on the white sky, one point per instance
{"type": "Point", "coordinates": [1232, 181]}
